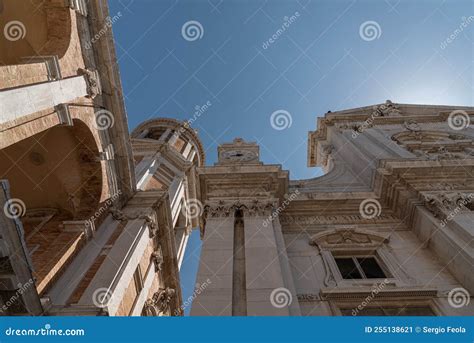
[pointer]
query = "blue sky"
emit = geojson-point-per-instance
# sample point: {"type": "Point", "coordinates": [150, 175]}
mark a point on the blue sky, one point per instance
{"type": "Point", "coordinates": [322, 61]}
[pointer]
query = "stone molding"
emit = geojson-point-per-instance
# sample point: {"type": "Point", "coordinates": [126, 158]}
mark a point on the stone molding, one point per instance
{"type": "Point", "coordinates": [332, 219]}
{"type": "Point", "coordinates": [399, 292]}
{"type": "Point", "coordinates": [250, 208]}
{"type": "Point", "coordinates": [383, 114]}
{"type": "Point", "coordinates": [150, 219]}
{"type": "Point", "coordinates": [434, 145]}
{"type": "Point", "coordinates": [348, 238]}
{"type": "Point", "coordinates": [441, 204]}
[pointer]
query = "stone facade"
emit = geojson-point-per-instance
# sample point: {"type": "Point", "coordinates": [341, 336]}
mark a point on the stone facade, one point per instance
{"type": "Point", "coordinates": [95, 220]}
{"type": "Point", "coordinates": [388, 230]}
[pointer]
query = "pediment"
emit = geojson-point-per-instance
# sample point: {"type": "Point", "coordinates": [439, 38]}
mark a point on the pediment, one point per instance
{"type": "Point", "coordinates": [348, 236]}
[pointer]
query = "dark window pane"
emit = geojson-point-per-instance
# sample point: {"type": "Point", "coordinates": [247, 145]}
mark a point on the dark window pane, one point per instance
{"type": "Point", "coordinates": [137, 277]}
{"type": "Point", "coordinates": [348, 268]}
{"type": "Point", "coordinates": [371, 268]}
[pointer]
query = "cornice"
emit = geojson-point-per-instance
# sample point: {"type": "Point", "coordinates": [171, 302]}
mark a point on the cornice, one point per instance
{"type": "Point", "coordinates": [175, 125]}
{"type": "Point", "coordinates": [380, 114]}
{"type": "Point", "coordinates": [355, 294]}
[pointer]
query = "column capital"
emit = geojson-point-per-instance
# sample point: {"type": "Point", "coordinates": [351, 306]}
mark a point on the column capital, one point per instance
{"type": "Point", "coordinates": [249, 207]}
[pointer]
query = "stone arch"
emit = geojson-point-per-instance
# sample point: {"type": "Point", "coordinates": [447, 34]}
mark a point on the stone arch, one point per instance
{"type": "Point", "coordinates": [33, 28]}
{"type": "Point", "coordinates": [58, 177]}
{"type": "Point", "coordinates": [58, 168]}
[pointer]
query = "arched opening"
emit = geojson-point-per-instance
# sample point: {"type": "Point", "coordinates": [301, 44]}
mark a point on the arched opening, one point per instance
{"type": "Point", "coordinates": [57, 174]}
{"type": "Point", "coordinates": [33, 28]}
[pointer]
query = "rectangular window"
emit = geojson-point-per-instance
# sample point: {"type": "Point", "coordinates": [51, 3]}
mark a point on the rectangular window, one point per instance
{"type": "Point", "coordinates": [137, 277]}
{"type": "Point", "coordinates": [390, 311]}
{"type": "Point", "coordinates": [363, 267]}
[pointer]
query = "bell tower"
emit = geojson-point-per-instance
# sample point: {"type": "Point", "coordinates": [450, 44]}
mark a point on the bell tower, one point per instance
{"type": "Point", "coordinates": [243, 258]}
{"type": "Point", "coordinates": [238, 152]}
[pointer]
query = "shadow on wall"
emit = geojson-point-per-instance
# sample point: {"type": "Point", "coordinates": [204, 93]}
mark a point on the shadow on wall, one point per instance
{"type": "Point", "coordinates": [33, 28]}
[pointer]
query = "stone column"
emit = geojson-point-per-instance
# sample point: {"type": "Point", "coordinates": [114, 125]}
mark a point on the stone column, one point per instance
{"type": "Point", "coordinates": [215, 267]}
{"type": "Point", "coordinates": [266, 291]}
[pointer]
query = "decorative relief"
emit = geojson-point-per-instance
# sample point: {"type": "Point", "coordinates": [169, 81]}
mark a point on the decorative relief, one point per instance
{"type": "Point", "coordinates": [157, 258]}
{"type": "Point", "coordinates": [93, 82]}
{"type": "Point", "coordinates": [443, 154]}
{"type": "Point", "coordinates": [350, 237]}
{"type": "Point", "coordinates": [334, 219]}
{"type": "Point", "coordinates": [160, 303]}
{"type": "Point", "coordinates": [308, 297]}
{"type": "Point", "coordinates": [250, 208]}
{"type": "Point", "coordinates": [389, 109]}
{"type": "Point", "coordinates": [326, 151]}
{"type": "Point", "coordinates": [148, 217]}
{"type": "Point", "coordinates": [434, 145]}
{"type": "Point", "coordinates": [412, 126]}
{"type": "Point", "coordinates": [441, 204]}
{"type": "Point", "coordinates": [444, 186]}
{"type": "Point", "coordinates": [217, 210]}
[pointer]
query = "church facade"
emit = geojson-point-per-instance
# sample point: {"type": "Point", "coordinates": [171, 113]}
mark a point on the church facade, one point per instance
{"type": "Point", "coordinates": [388, 230]}
{"type": "Point", "coordinates": [95, 220]}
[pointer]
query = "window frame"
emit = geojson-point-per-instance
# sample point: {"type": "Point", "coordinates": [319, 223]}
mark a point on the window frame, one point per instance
{"type": "Point", "coordinates": [138, 280]}
{"type": "Point", "coordinates": [353, 241]}
{"type": "Point", "coordinates": [355, 256]}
